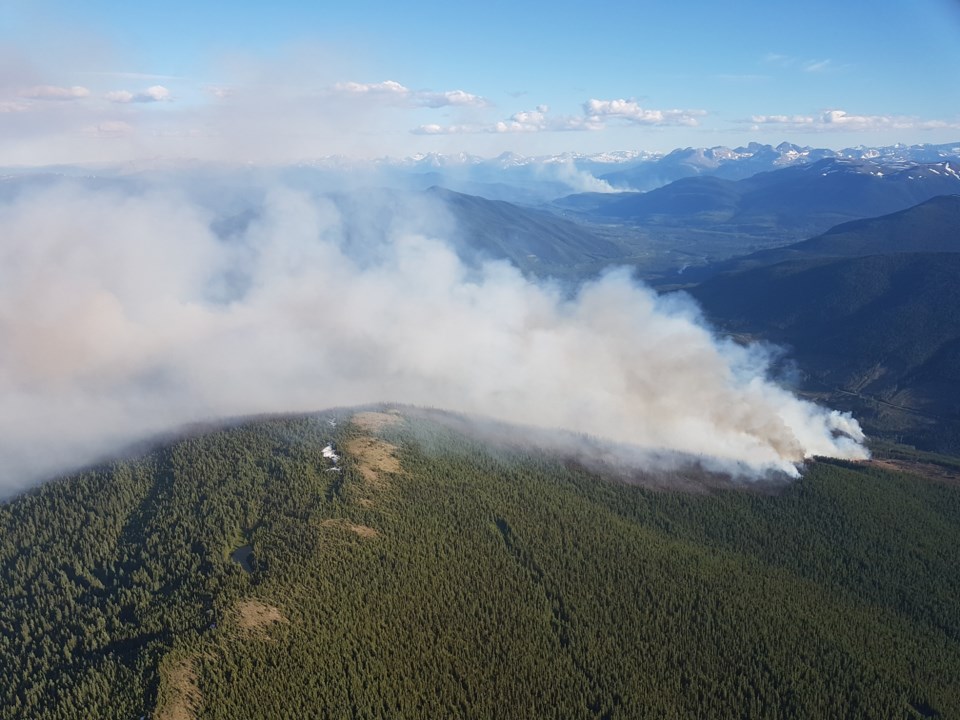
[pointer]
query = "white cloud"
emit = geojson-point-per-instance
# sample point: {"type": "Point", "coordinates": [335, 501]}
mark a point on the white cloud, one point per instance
{"type": "Point", "coordinates": [841, 120]}
{"type": "Point", "coordinates": [388, 88]}
{"type": "Point", "coordinates": [782, 119]}
{"type": "Point", "coordinates": [535, 120]}
{"type": "Point", "coordinates": [395, 93]}
{"type": "Point", "coordinates": [595, 115]}
{"type": "Point", "coordinates": [448, 98]}
{"type": "Point", "coordinates": [12, 106]}
{"type": "Point", "coordinates": [525, 121]}
{"type": "Point", "coordinates": [630, 110]}
{"type": "Point", "coordinates": [154, 93]}
{"type": "Point", "coordinates": [436, 129]}
{"type": "Point", "coordinates": [54, 92]}
{"type": "Point", "coordinates": [538, 120]}
{"type": "Point", "coordinates": [119, 96]}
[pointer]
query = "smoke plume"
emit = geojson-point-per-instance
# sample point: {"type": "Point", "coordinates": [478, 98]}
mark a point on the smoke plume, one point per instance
{"type": "Point", "coordinates": [125, 312]}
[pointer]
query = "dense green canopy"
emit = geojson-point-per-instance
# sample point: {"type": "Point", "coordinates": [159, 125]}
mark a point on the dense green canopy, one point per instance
{"type": "Point", "coordinates": [469, 581]}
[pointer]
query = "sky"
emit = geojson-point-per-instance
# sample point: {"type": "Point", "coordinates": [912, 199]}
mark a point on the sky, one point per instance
{"type": "Point", "coordinates": [284, 81]}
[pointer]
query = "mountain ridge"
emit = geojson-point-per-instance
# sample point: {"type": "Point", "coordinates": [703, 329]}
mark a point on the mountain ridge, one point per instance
{"type": "Point", "coordinates": [930, 226]}
{"type": "Point", "coordinates": [509, 581]}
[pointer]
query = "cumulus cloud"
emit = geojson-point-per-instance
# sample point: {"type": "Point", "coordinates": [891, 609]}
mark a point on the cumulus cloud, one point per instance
{"type": "Point", "coordinates": [782, 119]}
{"type": "Point", "coordinates": [388, 88]}
{"type": "Point", "coordinates": [53, 92]}
{"type": "Point", "coordinates": [524, 121]}
{"type": "Point", "coordinates": [630, 110]}
{"type": "Point", "coordinates": [438, 129]}
{"type": "Point", "coordinates": [393, 92]}
{"type": "Point", "coordinates": [840, 120]}
{"type": "Point", "coordinates": [539, 120]}
{"type": "Point", "coordinates": [119, 96]}
{"type": "Point", "coordinates": [449, 98]}
{"type": "Point", "coordinates": [596, 114]}
{"type": "Point", "coordinates": [154, 93]}
{"type": "Point", "coordinates": [124, 314]}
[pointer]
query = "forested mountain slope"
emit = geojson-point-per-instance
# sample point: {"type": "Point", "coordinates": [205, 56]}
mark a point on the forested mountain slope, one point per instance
{"type": "Point", "coordinates": [931, 226]}
{"type": "Point", "coordinates": [884, 327]}
{"type": "Point", "coordinates": [534, 241]}
{"type": "Point", "coordinates": [423, 573]}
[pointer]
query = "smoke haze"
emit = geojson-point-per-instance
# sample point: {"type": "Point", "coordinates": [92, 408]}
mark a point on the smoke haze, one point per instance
{"type": "Point", "coordinates": [126, 312]}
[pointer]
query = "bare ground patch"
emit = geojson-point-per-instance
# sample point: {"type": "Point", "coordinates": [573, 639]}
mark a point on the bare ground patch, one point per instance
{"type": "Point", "coordinates": [363, 531]}
{"type": "Point", "coordinates": [255, 617]}
{"type": "Point", "coordinates": [374, 458]}
{"type": "Point", "coordinates": [927, 471]}
{"type": "Point", "coordinates": [183, 699]}
{"type": "Point", "coordinates": [373, 422]}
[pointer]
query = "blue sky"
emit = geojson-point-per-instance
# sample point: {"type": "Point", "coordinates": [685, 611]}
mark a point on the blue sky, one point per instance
{"type": "Point", "coordinates": [289, 80]}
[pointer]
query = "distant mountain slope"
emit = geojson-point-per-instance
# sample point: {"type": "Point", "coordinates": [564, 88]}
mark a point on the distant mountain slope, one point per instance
{"type": "Point", "coordinates": [790, 203]}
{"type": "Point", "coordinates": [368, 220]}
{"type": "Point", "coordinates": [854, 189]}
{"type": "Point", "coordinates": [884, 327]}
{"type": "Point", "coordinates": [533, 240]}
{"type": "Point", "coordinates": [729, 163]}
{"type": "Point", "coordinates": [390, 564]}
{"type": "Point", "coordinates": [931, 226]}
{"type": "Point", "coordinates": [743, 162]}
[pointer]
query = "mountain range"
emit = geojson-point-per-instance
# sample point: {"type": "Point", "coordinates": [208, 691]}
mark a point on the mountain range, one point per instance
{"type": "Point", "coordinates": [534, 179]}
{"type": "Point", "coordinates": [520, 178]}
{"type": "Point", "coordinates": [831, 189]}
{"type": "Point", "coordinates": [742, 162]}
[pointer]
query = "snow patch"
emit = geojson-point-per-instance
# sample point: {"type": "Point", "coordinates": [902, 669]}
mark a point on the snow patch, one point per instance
{"type": "Point", "coordinates": [330, 454]}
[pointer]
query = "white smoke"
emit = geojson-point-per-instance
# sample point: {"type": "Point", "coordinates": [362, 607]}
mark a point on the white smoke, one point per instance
{"type": "Point", "coordinates": [123, 315]}
{"type": "Point", "coordinates": [576, 179]}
